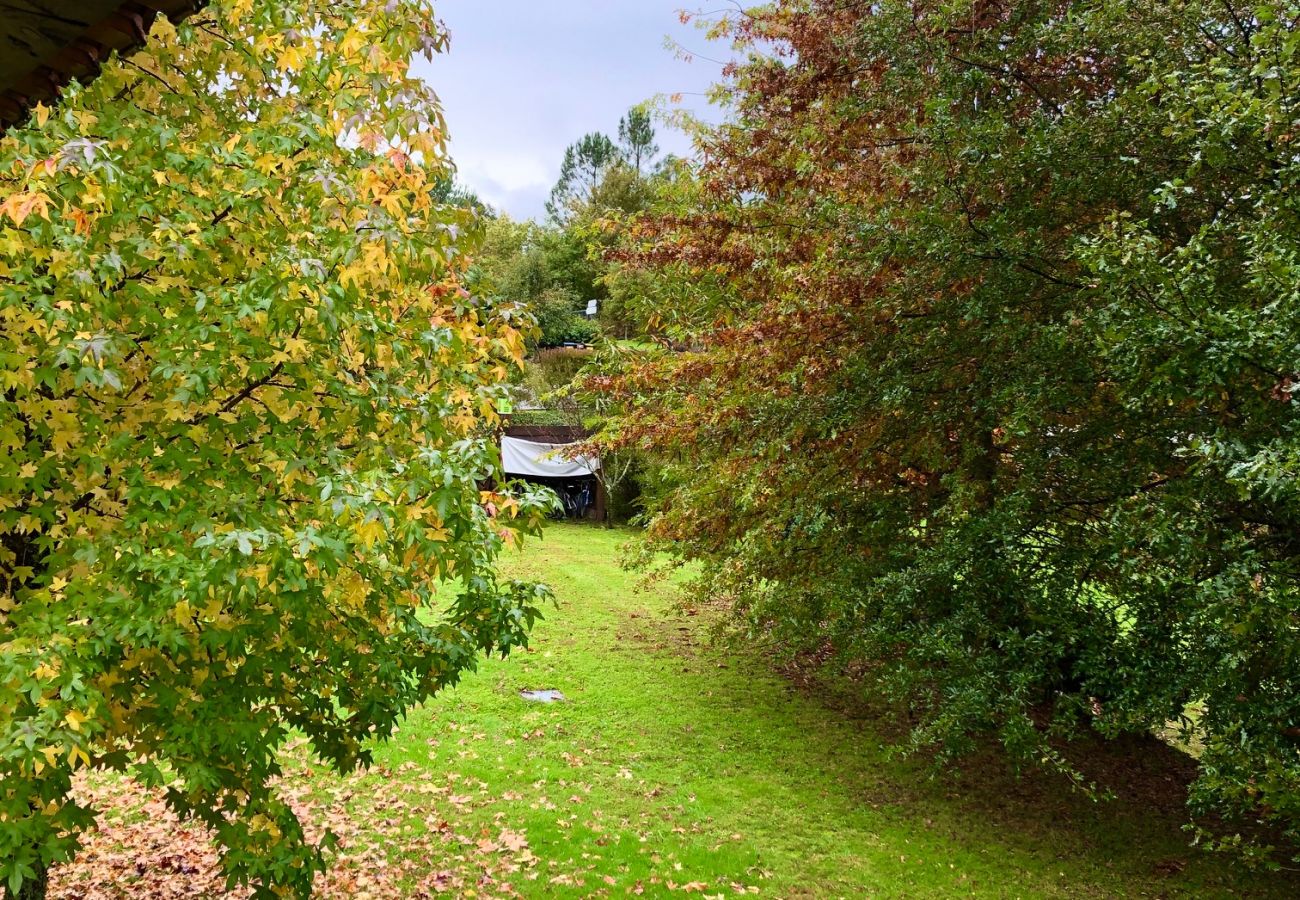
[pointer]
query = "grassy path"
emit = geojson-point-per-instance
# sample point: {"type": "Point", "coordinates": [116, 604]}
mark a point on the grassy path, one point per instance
{"type": "Point", "coordinates": [676, 768]}
{"type": "Point", "coordinates": [698, 768]}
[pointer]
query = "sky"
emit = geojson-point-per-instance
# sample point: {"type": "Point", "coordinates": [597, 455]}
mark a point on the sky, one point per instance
{"type": "Point", "coordinates": [526, 78]}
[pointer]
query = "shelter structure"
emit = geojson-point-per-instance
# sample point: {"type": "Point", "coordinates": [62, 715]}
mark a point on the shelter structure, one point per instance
{"type": "Point", "coordinates": [44, 44]}
{"type": "Point", "coordinates": [544, 455]}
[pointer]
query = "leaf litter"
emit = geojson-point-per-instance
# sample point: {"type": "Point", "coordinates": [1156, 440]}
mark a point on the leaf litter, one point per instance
{"type": "Point", "coordinates": [409, 830]}
{"type": "Point", "coordinates": [398, 837]}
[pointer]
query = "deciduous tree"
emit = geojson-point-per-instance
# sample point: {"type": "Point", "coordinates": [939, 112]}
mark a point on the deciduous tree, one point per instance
{"type": "Point", "coordinates": [241, 426]}
{"type": "Point", "coordinates": [988, 317]}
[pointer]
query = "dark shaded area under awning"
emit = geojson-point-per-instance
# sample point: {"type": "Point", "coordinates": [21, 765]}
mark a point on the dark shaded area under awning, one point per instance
{"type": "Point", "coordinates": [46, 43]}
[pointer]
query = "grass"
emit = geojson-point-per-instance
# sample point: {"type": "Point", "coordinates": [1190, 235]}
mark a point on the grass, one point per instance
{"type": "Point", "coordinates": [675, 762]}
{"type": "Point", "coordinates": [676, 766]}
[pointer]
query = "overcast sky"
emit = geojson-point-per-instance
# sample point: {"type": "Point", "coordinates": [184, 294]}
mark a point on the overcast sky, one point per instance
{"type": "Point", "coordinates": [526, 78]}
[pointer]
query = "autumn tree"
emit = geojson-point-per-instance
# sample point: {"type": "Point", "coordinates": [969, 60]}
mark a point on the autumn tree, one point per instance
{"type": "Point", "coordinates": [980, 367]}
{"type": "Point", "coordinates": [244, 398]}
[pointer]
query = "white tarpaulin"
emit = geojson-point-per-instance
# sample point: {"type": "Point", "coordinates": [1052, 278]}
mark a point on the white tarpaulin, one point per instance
{"type": "Point", "coordinates": [534, 460]}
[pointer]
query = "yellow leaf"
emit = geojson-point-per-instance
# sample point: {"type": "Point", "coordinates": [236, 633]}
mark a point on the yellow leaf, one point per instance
{"type": "Point", "coordinates": [163, 30]}
{"type": "Point", "coordinates": [42, 113]}
{"type": "Point", "coordinates": [290, 59]}
{"type": "Point", "coordinates": [74, 720]}
{"type": "Point", "coordinates": [370, 532]}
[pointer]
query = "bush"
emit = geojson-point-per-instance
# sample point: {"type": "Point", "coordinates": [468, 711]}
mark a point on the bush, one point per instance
{"type": "Point", "coordinates": [560, 319]}
{"type": "Point", "coordinates": [578, 331]}
{"type": "Point", "coordinates": [559, 366]}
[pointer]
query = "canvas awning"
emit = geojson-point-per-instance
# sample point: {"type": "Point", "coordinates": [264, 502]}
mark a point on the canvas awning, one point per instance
{"type": "Point", "coordinates": [530, 459]}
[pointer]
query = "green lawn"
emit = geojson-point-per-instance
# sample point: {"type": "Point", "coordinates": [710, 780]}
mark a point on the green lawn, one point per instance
{"type": "Point", "coordinates": [675, 766]}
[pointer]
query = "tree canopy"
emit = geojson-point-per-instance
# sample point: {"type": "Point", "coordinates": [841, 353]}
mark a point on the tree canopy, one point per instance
{"type": "Point", "coordinates": [599, 174]}
{"type": "Point", "coordinates": [585, 165]}
{"type": "Point", "coordinates": [984, 371]}
{"type": "Point", "coordinates": [636, 138]}
{"type": "Point", "coordinates": [558, 267]}
{"type": "Point", "coordinates": [242, 426]}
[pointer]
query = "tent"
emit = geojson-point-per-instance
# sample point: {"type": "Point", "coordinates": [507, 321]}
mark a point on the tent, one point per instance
{"type": "Point", "coordinates": [543, 456]}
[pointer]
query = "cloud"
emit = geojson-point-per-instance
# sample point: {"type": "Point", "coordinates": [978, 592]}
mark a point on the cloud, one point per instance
{"type": "Point", "coordinates": [525, 78]}
{"type": "Point", "coordinates": [508, 181]}
{"type": "Point", "coordinates": [502, 173]}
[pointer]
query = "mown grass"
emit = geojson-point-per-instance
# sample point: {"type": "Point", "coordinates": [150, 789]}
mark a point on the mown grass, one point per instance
{"type": "Point", "coordinates": [675, 764]}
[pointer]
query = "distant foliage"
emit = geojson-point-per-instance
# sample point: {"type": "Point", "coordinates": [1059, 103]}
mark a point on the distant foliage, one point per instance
{"type": "Point", "coordinates": [585, 165]}
{"type": "Point", "coordinates": [546, 271]}
{"type": "Point", "coordinates": [636, 138]}
{"type": "Point", "coordinates": [559, 321]}
{"type": "Point", "coordinates": [562, 366]}
{"type": "Point", "coordinates": [243, 396]}
{"type": "Point", "coordinates": [984, 320]}
{"type": "Point", "coordinates": [598, 174]}
{"type": "Point", "coordinates": [558, 267]}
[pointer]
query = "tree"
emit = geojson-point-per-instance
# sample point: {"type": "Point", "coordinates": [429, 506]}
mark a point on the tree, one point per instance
{"type": "Point", "coordinates": [1195, 316]}
{"type": "Point", "coordinates": [986, 319]}
{"type": "Point", "coordinates": [623, 192]}
{"type": "Point", "coordinates": [560, 320]}
{"type": "Point", "coordinates": [585, 164]}
{"type": "Point", "coordinates": [632, 304]}
{"type": "Point", "coordinates": [636, 137]}
{"type": "Point", "coordinates": [540, 266]}
{"type": "Point", "coordinates": [505, 241]}
{"type": "Point", "coordinates": [546, 271]}
{"type": "Point", "coordinates": [448, 191]}
{"type": "Point", "coordinates": [242, 427]}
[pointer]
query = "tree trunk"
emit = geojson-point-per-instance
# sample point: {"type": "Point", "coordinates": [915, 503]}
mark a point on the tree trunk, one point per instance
{"type": "Point", "coordinates": [984, 469]}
